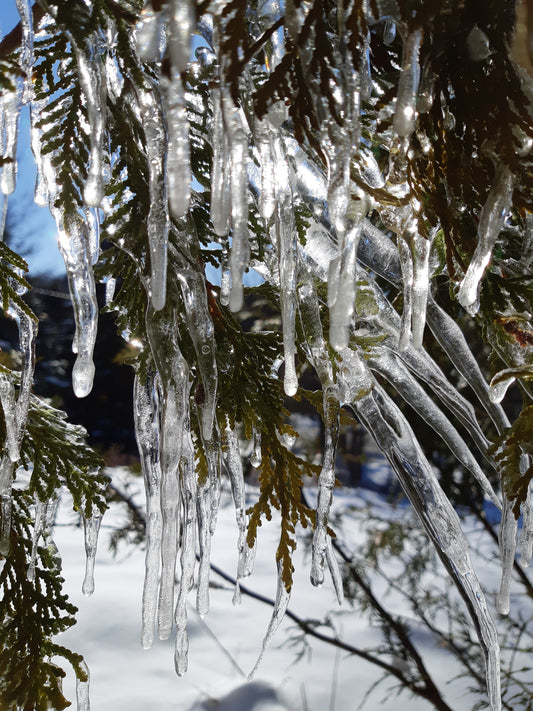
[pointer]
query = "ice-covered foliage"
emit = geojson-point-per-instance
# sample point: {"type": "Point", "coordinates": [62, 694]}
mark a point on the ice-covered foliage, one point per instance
{"type": "Point", "coordinates": [371, 160]}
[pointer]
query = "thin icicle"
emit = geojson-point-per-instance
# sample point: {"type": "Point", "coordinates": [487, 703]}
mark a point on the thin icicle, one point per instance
{"type": "Point", "coordinates": [74, 246]}
{"type": "Point", "coordinates": [267, 195]}
{"type": "Point", "coordinates": [188, 554]}
{"type": "Point", "coordinates": [393, 435]}
{"type": "Point", "coordinates": [526, 534]}
{"type": "Point", "coordinates": [507, 543]}
{"type": "Point", "coordinates": [420, 250]}
{"type": "Point", "coordinates": [149, 35]}
{"type": "Point", "coordinates": [6, 502]}
{"type": "Point", "coordinates": [93, 85]}
{"type": "Point", "coordinates": [406, 261]}
{"type": "Point", "coordinates": [82, 689]}
{"type": "Point", "coordinates": [204, 509]}
{"type": "Point", "coordinates": [220, 183]}
{"type": "Point", "coordinates": [41, 190]}
{"type": "Point", "coordinates": [202, 333]}
{"type": "Point", "coordinates": [326, 482]}
{"type": "Point", "coordinates": [44, 519]}
{"type": "Point", "coordinates": [284, 238]}
{"type": "Point", "coordinates": [238, 152]}
{"type": "Point", "coordinates": [146, 418]}
{"type": "Point", "coordinates": [182, 26]}
{"type": "Point", "coordinates": [233, 463]}
{"type": "Point", "coordinates": [26, 20]}
{"type": "Point", "coordinates": [491, 222]}
{"type": "Point", "coordinates": [391, 367]}
{"type": "Point", "coordinates": [453, 342]}
{"type": "Point", "coordinates": [9, 122]}
{"type": "Point", "coordinates": [178, 159]}
{"type": "Point", "coordinates": [280, 608]}
{"type": "Point", "coordinates": [8, 403]}
{"type": "Point", "coordinates": [92, 528]}
{"type": "Point", "coordinates": [405, 112]}
{"type": "Point", "coordinates": [174, 374]}
{"type": "Point", "coordinates": [335, 572]}
{"type": "Point", "coordinates": [342, 307]}
{"type": "Point", "coordinates": [158, 217]}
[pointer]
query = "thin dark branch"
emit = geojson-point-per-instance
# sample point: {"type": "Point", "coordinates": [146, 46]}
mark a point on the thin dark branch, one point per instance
{"type": "Point", "coordinates": [256, 46]}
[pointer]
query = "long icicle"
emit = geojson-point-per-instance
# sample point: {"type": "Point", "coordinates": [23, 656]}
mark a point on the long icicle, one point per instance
{"type": "Point", "coordinates": [146, 418]}
{"type": "Point", "coordinates": [393, 435]}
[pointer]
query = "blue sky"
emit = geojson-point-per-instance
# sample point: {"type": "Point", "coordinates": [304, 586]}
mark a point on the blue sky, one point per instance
{"type": "Point", "coordinates": [33, 227]}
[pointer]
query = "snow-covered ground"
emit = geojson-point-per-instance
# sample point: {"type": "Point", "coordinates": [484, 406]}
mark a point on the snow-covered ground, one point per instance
{"type": "Point", "coordinates": [225, 646]}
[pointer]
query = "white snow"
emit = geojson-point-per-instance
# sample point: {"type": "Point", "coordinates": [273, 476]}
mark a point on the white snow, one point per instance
{"type": "Point", "coordinates": [225, 646]}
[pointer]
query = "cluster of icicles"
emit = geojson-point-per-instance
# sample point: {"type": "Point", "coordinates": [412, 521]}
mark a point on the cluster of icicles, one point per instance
{"type": "Point", "coordinates": [342, 248]}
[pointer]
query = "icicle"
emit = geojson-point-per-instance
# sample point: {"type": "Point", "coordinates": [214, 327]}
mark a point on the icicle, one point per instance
{"type": "Point", "coordinates": [405, 112]}
{"type": "Point", "coordinates": [9, 118]}
{"type": "Point", "coordinates": [326, 482]}
{"type": "Point", "coordinates": [343, 297]}
{"type": "Point", "coordinates": [73, 244]}
{"type": "Point", "coordinates": [110, 287]}
{"type": "Point", "coordinates": [391, 367]}
{"type": "Point", "coordinates": [182, 26]}
{"type": "Point", "coordinates": [146, 418]}
{"type": "Point", "coordinates": [284, 238]}
{"type": "Point", "coordinates": [148, 35]}
{"type": "Point", "coordinates": [393, 435]}
{"type": "Point", "coordinates": [233, 463]}
{"type": "Point", "coordinates": [267, 195]}
{"type": "Point", "coordinates": [178, 159]}
{"type": "Point", "coordinates": [526, 534]}
{"type": "Point", "coordinates": [507, 541]}
{"type": "Point", "coordinates": [6, 468]}
{"type": "Point", "coordinates": [453, 342]}
{"type": "Point", "coordinates": [280, 608]}
{"type": "Point", "coordinates": [82, 689]}
{"type": "Point", "coordinates": [204, 507]}
{"type": "Point", "coordinates": [225, 279]}
{"type": "Point", "coordinates": [414, 259]}
{"type": "Point", "coordinates": [220, 183]}
{"type": "Point", "coordinates": [491, 222]}
{"type": "Point", "coordinates": [188, 557]}
{"type": "Point", "coordinates": [256, 458]}
{"type": "Point", "coordinates": [45, 513]}
{"type": "Point", "coordinates": [26, 20]}
{"type": "Point", "coordinates": [93, 226]}
{"type": "Point", "coordinates": [314, 336]}
{"type": "Point", "coordinates": [238, 151]}
{"type": "Point", "coordinates": [38, 525]}
{"type": "Point", "coordinates": [202, 333]}
{"type": "Point", "coordinates": [92, 528]}
{"type": "Point", "coordinates": [420, 249]}
{"type": "Point", "coordinates": [174, 374]}
{"type": "Point", "coordinates": [334, 571]}
{"type": "Point", "coordinates": [8, 403]}
{"type": "Point", "coordinates": [158, 218]}
{"type": "Point", "coordinates": [92, 82]}
{"type": "Point", "coordinates": [41, 190]}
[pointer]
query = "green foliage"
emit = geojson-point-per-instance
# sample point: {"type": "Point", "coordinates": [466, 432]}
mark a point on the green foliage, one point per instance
{"type": "Point", "coordinates": [511, 452]}
{"type": "Point", "coordinates": [11, 280]}
{"type": "Point", "coordinates": [31, 614]}
{"type": "Point", "coordinates": [57, 454]}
